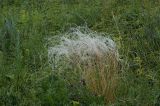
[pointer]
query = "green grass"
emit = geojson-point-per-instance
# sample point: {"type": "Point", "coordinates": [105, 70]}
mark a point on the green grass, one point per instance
{"type": "Point", "coordinates": [25, 75]}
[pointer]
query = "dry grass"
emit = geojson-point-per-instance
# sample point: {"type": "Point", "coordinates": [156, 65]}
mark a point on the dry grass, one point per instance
{"type": "Point", "coordinates": [94, 57]}
{"type": "Point", "coordinates": [101, 76]}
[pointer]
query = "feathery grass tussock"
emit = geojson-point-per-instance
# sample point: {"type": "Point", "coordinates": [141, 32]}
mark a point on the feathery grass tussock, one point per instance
{"type": "Point", "coordinates": [91, 55]}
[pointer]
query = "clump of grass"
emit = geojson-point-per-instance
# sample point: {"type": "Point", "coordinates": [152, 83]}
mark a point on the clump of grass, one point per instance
{"type": "Point", "coordinates": [93, 57]}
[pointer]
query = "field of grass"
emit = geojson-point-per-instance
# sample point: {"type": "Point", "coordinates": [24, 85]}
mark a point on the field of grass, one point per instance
{"type": "Point", "coordinates": [27, 77]}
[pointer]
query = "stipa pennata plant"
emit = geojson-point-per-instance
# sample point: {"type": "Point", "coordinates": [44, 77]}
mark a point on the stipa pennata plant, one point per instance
{"type": "Point", "coordinates": [90, 56]}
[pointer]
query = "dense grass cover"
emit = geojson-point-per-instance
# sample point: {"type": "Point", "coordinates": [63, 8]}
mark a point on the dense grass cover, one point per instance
{"type": "Point", "coordinates": [28, 28]}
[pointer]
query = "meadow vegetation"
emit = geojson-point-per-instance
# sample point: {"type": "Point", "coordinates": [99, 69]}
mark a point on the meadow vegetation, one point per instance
{"type": "Point", "coordinates": [31, 76]}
